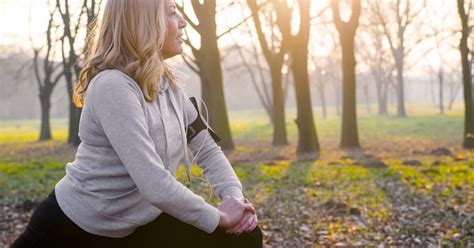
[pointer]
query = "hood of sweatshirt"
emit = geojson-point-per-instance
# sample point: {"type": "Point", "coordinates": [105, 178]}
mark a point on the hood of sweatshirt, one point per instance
{"type": "Point", "coordinates": [178, 106]}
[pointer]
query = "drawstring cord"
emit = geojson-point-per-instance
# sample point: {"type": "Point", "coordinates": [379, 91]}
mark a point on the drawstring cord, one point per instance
{"type": "Point", "coordinates": [187, 164]}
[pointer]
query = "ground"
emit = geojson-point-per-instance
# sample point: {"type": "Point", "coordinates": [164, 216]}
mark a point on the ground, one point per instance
{"type": "Point", "coordinates": [411, 185]}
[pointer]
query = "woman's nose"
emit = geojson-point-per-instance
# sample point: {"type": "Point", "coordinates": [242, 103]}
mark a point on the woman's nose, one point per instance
{"type": "Point", "coordinates": [183, 23]}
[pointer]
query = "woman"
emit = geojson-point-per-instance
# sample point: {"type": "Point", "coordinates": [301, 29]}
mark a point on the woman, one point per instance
{"type": "Point", "coordinates": [121, 190]}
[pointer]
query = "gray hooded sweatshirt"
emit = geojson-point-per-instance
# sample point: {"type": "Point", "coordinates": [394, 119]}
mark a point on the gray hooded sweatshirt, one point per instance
{"type": "Point", "coordinates": [124, 172]}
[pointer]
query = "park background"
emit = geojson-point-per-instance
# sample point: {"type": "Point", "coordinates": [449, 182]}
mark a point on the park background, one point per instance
{"type": "Point", "coordinates": [381, 154]}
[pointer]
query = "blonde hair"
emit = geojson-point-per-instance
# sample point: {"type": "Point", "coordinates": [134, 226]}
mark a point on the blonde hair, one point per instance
{"type": "Point", "coordinates": [130, 38]}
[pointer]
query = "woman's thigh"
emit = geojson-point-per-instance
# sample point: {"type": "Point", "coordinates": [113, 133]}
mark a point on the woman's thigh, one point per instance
{"type": "Point", "coordinates": [50, 227]}
{"type": "Point", "coordinates": [167, 231]}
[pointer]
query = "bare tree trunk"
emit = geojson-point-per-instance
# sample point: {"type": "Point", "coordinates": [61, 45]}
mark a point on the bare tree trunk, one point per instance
{"type": "Point", "coordinates": [262, 96]}
{"type": "Point", "coordinates": [279, 124]}
{"type": "Point", "coordinates": [405, 14]}
{"type": "Point", "coordinates": [70, 57]}
{"type": "Point", "coordinates": [212, 89]}
{"type": "Point", "coordinates": [322, 96]}
{"type": "Point", "coordinates": [308, 144]}
{"type": "Point", "coordinates": [45, 99]}
{"type": "Point", "coordinates": [381, 89]}
{"type": "Point", "coordinates": [347, 31]}
{"type": "Point", "coordinates": [287, 84]}
{"type": "Point", "coordinates": [454, 90]}
{"type": "Point", "coordinates": [432, 90]}
{"type": "Point", "coordinates": [401, 112]}
{"type": "Point", "coordinates": [384, 102]}
{"type": "Point", "coordinates": [49, 77]}
{"type": "Point", "coordinates": [472, 75]}
{"type": "Point", "coordinates": [337, 94]}
{"type": "Point", "coordinates": [441, 98]}
{"type": "Point", "coordinates": [367, 97]}
{"type": "Point", "coordinates": [207, 64]}
{"type": "Point", "coordinates": [307, 137]}
{"type": "Point", "coordinates": [467, 79]}
{"type": "Point", "coordinates": [275, 61]}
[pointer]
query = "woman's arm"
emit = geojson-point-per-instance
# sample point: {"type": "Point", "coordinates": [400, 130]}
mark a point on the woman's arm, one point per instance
{"type": "Point", "coordinates": [117, 106]}
{"type": "Point", "coordinates": [211, 159]}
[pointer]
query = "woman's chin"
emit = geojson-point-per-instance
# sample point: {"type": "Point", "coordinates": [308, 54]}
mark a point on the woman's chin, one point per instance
{"type": "Point", "coordinates": [172, 54]}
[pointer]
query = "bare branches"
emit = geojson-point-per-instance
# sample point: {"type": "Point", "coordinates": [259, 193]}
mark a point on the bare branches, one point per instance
{"type": "Point", "coordinates": [353, 21]}
{"type": "Point", "coordinates": [190, 63]}
{"type": "Point", "coordinates": [186, 17]}
{"type": "Point", "coordinates": [234, 27]}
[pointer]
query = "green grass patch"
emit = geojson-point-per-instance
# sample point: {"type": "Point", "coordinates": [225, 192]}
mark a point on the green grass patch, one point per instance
{"type": "Point", "coordinates": [350, 184]}
{"type": "Point", "coordinates": [451, 182]}
{"type": "Point", "coordinates": [29, 180]}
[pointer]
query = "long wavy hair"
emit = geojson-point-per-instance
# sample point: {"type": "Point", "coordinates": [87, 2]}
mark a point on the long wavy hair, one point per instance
{"type": "Point", "coordinates": [129, 38]}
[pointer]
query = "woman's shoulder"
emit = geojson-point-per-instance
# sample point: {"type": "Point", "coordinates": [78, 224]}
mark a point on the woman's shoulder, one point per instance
{"type": "Point", "coordinates": [111, 76]}
{"type": "Point", "coordinates": [111, 80]}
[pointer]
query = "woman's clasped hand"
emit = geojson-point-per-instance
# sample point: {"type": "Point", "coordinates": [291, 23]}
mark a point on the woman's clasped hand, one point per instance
{"type": "Point", "coordinates": [237, 215]}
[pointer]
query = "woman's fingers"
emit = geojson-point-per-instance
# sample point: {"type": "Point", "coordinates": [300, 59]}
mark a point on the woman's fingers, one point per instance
{"type": "Point", "coordinates": [246, 226]}
{"type": "Point", "coordinates": [250, 208]}
{"type": "Point", "coordinates": [247, 216]}
{"type": "Point", "coordinates": [254, 224]}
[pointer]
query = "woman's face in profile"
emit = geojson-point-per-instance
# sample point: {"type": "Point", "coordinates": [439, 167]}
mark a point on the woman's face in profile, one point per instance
{"type": "Point", "coordinates": [173, 41]}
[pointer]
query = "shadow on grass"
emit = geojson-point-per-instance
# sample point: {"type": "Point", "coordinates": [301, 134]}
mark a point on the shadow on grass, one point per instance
{"type": "Point", "coordinates": [420, 218]}
{"type": "Point", "coordinates": [277, 191]}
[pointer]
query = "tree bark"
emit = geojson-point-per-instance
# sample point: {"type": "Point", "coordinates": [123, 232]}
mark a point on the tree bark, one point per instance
{"type": "Point", "coordinates": [307, 137]}
{"type": "Point", "coordinates": [467, 79]}
{"type": "Point", "coordinates": [70, 58]}
{"type": "Point", "coordinates": [212, 85]}
{"type": "Point", "coordinates": [207, 62]}
{"type": "Point", "coordinates": [308, 144]}
{"type": "Point", "coordinates": [322, 96]}
{"type": "Point", "coordinates": [279, 123]}
{"type": "Point", "coordinates": [441, 87]}
{"type": "Point", "coordinates": [347, 31]}
{"type": "Point", "coordinates": [45, 99]}
{"type": "Point", "coordinates": [399, 63]}
{"type": "Point", "coordinates": [274, 60]}
{"type": "Point", "coordinates": [381, 89]}
{"type": "Point", "coordinates": [49, 77]}
{"type": "Point", "coordinates": [367, 98]}
{"type": "Point", "coordinates": [337, 94]}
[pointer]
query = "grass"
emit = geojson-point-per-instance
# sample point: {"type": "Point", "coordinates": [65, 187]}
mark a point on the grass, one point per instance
{"type": "Point", "coordinates": [327, 202]}
{"type": "Point", "coordinates": [30, 180]}
{"type": "Point", "coordinates": [420, 126]}
{"type": "Point", "coordinates": [254, 126]}
{"type": "Point", "coordinates": [14, 131]}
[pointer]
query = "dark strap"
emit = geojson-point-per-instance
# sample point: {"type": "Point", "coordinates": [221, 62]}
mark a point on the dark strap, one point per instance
{"type": "Point", "coordinates": [198, 125]}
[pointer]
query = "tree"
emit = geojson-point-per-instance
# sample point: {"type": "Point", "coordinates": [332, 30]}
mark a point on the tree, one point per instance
{"type": "Point", "coordinates": [47, 74]}
{"type": "Point", "coordinates": [347, 31]}
{"type": "Point", "coordinates": [308, 144]}
{"type": "Point", "coordinates": [275, 56]}
{"type": "Point", "coordinates": [467, 76]}
{"type": "Point", "coordinates": [319, 76]}
{"type": "Point", "coordinates": [378, 59]}
{"type": "Point", "coordinates": [259, 85]}
{"type": "Point", "coordinates": [404, 17]}
{"type": "Point", "coordinates": [441, 66]}
{"type": "Point", "coordinates": [70, 57]}
{"type": "Point", "coordinates": [207, 64]}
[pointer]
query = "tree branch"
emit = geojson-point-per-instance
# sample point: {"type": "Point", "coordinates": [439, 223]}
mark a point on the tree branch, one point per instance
{"type": "Point", "coordinates": [187, 18]}
{"type": "Point", "coordinates": [234, 27]}
{"type": "Point", "coordinates": [189, 62]}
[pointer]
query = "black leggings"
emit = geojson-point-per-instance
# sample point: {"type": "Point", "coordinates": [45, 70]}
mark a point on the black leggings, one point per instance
{"type": "Point", "coordinates": [50, 227]}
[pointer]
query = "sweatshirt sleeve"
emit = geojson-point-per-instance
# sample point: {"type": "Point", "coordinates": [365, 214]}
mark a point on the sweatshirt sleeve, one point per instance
{"type": "Point", "coordinates": [212, 160]}
{"type": "Point", "coordinates": [117, 104]}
